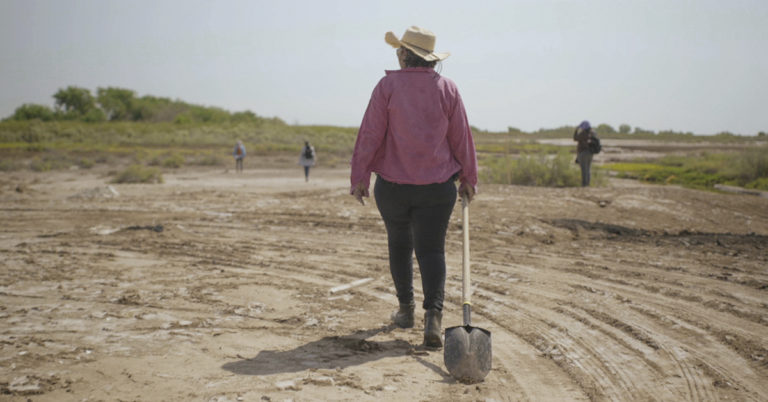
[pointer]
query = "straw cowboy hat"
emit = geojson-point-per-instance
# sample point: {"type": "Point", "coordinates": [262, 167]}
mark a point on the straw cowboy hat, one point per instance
{"type": "Point", "coordinates": [418, 40]}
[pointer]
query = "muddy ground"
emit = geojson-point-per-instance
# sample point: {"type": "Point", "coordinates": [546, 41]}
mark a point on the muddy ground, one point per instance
{"type": "Point", "coordinates": [217, 287]}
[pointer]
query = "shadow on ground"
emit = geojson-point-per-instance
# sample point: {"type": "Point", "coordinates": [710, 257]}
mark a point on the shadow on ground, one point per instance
{"type": "Point", "coordinates": [327, 353]}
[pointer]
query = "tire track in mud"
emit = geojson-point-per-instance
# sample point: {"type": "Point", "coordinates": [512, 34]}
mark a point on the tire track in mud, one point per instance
{"type": "Point", "coordinates": [596, 376]}
{"type": "Point", "coordinates": [540, 376]}
{"type": "Point", "coordinates": [697, 390]}
{"type": "Point", "coordinates": [639, 334]}
{"type": "Point", "coordinates": [634, 295]}
{"type": "Point", "coordinates": [669, 281]}
{"type": "Point", "coordinates": [673, 290]}
{"type": "Point", "coordinates": [558, 337]}
{"type": "Point", "coordinates": [703, 309]}
{"type": "Point", "coordinates": [550, 324]}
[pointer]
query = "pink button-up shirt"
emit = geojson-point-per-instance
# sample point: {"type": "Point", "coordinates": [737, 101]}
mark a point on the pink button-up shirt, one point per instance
{"type": "Point", "coordinates": [415, 131]}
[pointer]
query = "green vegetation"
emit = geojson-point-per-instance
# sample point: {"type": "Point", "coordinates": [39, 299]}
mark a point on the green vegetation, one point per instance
{"type": "Point", "coordinates": [51, 161]}
{"type": "Point", "coordinates": [205, 159]}
{"type": "Point", "coordinates": [9, 165]}
{"type": "Point", "coordinates": [139, 174]}
{"type": "Point", "coordinates": [260, 137]}
{"type": "Point", "coordinates": [514, 147]}
{"type": "Point", "coordinates": [31, 111]}
{"type": "Point", "coordinates": [745, 169]}
{"type": "Point", "coordinates": [116, 126]}
{"type": "Point", "coordinates": [624, 132]}
{"type": "Point", "coordinates": [119, 104]}
{"type": "Point", "coordinates": [542, 169]}
{"type": "Point", "coordinates": [174, 161]}
{"type": "Point", "coordinates": [168, 145]}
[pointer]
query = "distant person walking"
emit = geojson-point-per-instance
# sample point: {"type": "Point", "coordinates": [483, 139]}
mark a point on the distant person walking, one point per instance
{"type": "Point", "coordinates": [307, 158]}
{"type": "Point", "coordinates": [416, 138]}
{"type": "Point", "coordinates": [239, 155]}
{"type": "Point", "coordinates": [584, 137]}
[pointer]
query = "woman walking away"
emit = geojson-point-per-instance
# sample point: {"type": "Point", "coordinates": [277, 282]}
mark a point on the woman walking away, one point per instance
{"type": "Point", "coordinates": [307, 159]}
{"type": "Point", "coordinates": [239, 155]}
{"type": "Point", "coordinates": [583, 135]}
{"type": "Point", "coordinates": [416, 138]}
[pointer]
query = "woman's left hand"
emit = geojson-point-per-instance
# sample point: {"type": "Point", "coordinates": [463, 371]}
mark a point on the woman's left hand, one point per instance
{"type": "Point", "coordinates": [467, 192]}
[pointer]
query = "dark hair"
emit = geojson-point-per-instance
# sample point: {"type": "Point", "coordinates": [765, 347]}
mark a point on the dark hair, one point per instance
{"type": "Point", "coordinates": [413, 60]}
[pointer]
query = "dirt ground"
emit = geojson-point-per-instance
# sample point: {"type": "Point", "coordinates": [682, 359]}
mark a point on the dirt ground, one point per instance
{"type": "Point", "coordinates": [217, 287]}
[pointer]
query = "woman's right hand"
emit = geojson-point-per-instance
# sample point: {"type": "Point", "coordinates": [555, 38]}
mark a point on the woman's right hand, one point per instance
{"type": "Point", "coordinates": [359, 192]}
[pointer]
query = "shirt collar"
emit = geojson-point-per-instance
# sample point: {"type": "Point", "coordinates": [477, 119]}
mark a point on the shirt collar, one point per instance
{"type": "Point", "coordinates": [411, 70]}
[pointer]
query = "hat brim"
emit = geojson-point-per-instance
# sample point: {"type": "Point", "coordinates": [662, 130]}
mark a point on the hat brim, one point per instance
{"type": "Point", "coordinates": [425, 54]}
{"type": "Point", "coordinates": [392, 40]}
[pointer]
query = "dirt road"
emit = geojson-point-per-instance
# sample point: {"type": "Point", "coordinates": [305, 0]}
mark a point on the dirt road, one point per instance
{"type": "Point", "coordinates": [216, 287]}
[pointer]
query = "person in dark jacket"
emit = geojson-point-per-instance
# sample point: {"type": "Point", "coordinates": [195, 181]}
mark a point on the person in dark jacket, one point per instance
{"type": "Point", "coordinates": [307, 158]}
{"type": "Point", "coordinates": [583, 135]}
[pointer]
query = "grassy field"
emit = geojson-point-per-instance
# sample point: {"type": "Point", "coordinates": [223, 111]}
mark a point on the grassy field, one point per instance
{"type": "Point", "coordinates": [745, 169]}
{"type": "Point", "coordinates": [536, 169]}
{"type": "Point", "coordinates": [512, 157]}
{"type": "Point", "coordinates": [45, 146]}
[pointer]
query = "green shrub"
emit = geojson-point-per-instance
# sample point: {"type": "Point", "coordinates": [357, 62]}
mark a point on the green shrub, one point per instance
{"type": "Point", "coordinates": [40, 165]}
{"type": "Point", "coordinates": [139, 174]}
{"type": "Point", "coordinates": [141, 156]}
{"type": "Point", "coordinates": [753, 165]}
{"type": "Point", "coordinates": [759, 184]}
{"type": "Point", "coordinates": [103, 159]}
{"type": "Point", "coordinates": [94, 116]}
{"type": "Point", "coordinates": [155, 160]}
{"type": "Point", "coordinates": [8, 165]}
{"type": "Point", "coordinates": [31, 132]}
{"type": "Point", "coordinates": [533, 170]}
{"type": "Point", "coordinates": [31, 111]}
{"type": "Point", "coordinates": [173, 161]}
{"type": "Point", "coordinates": [51, 161]}
{"type": "Point", "coordinates": [85, 163]}
{"type": "Point", "coordinates": [206, 159]}
{"type": "Point", "coordinates": [35, 148]}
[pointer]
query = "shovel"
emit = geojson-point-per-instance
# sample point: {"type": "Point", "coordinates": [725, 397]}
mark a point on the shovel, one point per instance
{"type": "Point", "coordinates": [467, 351]}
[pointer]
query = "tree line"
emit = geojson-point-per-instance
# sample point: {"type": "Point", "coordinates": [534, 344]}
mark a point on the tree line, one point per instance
{"type": "Point", "coordinates": [119, 104]}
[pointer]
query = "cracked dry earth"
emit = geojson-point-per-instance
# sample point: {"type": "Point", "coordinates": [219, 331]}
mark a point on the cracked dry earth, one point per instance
{"type": "Point", "coordinates": [216, 287]}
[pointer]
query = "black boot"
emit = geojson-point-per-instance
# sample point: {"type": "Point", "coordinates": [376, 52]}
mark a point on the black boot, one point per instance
{"type": "Point", "coordinates": [432, 330]}
{"type": "Point", "coordinates": [403, 318]}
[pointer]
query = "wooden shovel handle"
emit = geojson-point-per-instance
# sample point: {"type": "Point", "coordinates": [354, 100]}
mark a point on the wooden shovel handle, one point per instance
{"type": "Point", "coordinates": [465, 285]}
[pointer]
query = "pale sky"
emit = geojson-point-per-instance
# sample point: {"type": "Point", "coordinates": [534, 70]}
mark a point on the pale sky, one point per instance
{"type": "Point", "coordinates": [698, 65]}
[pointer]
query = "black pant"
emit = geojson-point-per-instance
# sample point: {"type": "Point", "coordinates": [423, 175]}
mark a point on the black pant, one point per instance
{"type": "Point", "coordinates": [585, 162]}
{"type": "Point", "coordinates": [416, 218]}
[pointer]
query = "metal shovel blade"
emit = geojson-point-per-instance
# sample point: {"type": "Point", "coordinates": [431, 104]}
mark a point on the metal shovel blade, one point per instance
{"type": "Point", "coordinates": [467, 353]}
{"type": "Point", "coordinates": [467, 350]}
